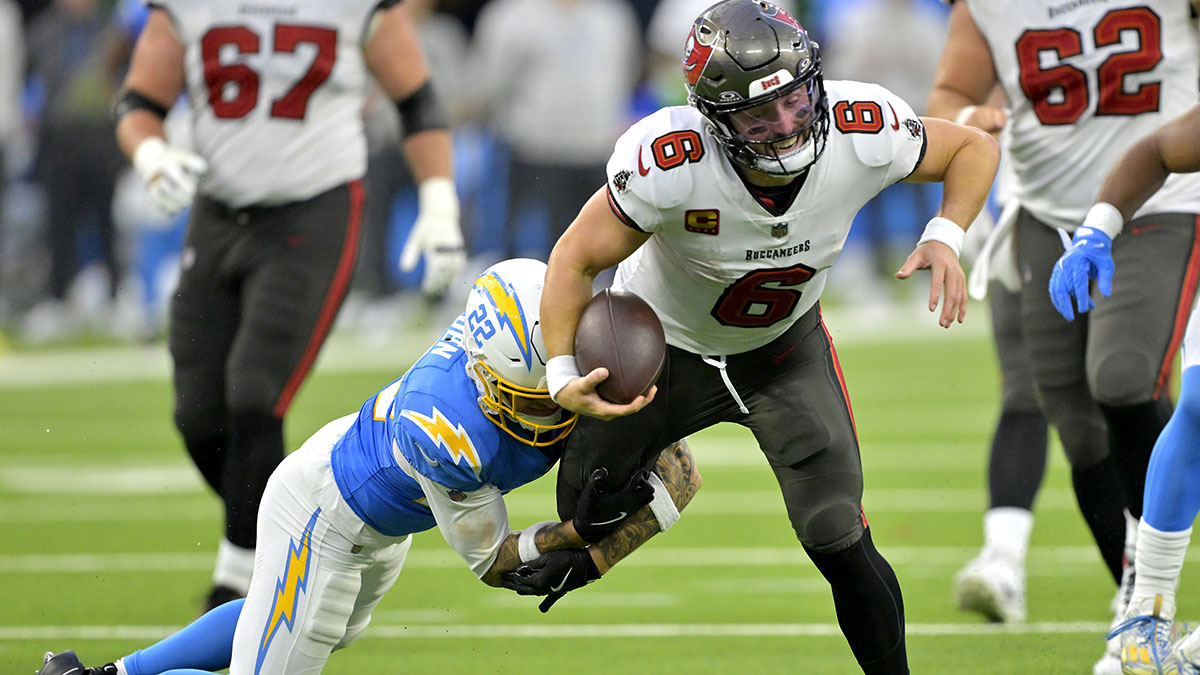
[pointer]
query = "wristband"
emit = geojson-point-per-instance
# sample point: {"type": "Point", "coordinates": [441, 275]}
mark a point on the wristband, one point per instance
{"type": "Point", "coordinates": [944, 230]}
{"type": "Point", "coordinates": [662, 506]}
{"type": "Point", "coordinates": [1106, 218]}
{"type": "Point", "coordinates": [526, 542]}
{"type": "Point", "coordinates": [560, 370]}
{"type": "Point", "coordinates": [961, 117]}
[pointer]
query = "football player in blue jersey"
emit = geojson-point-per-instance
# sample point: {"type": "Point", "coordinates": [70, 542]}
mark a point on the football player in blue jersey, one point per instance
{"type": "Point", "coordinates": [439, 447]}
{"type": "Point", "coordinates": [1147, 633]}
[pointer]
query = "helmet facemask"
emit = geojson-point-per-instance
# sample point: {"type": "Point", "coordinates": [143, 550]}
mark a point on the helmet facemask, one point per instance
{"type": "Point", "coordinates": [506, 355]}
{"type": "Point", "coordinates": [755, 74]}
{"type": "Point", "coordinates": [782, 135]}
{"type": "Point", "coordinates": [514, 408]}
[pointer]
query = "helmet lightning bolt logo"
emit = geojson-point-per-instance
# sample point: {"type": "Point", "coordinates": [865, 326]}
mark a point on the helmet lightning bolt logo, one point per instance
{"type": "Point", "coordinates": [441, 432]}
{"type": "Point", "coordinates": [509, 312]}
{"type": "Point", "coordinates": [288, 589]}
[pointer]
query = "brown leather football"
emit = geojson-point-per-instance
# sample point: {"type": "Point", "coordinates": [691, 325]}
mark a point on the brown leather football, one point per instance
{"type": "Point", "coordinates": [620, 332]}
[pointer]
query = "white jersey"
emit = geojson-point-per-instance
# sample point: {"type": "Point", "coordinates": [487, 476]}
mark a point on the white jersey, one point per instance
{"type": "Point", "coordinates": [277, 89]}
{"type": "Point", "coordinates": [723, 273]}
{"type": "Point", "coordinates": [1084, 80]}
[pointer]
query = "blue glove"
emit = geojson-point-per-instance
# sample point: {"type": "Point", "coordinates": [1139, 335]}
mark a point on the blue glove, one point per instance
{"type": "Point", "coordinates": [1090, 257]}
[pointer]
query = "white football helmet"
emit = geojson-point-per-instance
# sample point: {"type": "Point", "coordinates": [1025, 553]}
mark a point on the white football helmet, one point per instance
{"type": "Point", "coordinates": [506, 355]}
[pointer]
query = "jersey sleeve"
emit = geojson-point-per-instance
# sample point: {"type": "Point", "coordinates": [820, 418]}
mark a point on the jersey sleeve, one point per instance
{"type": "Point", "coordinates": [441, 441]}
{"type": "Point", "coordinates": [474, 523]}
{"type": "Point", "coordinates": [639, 188]}
{"type": "Point", "coordinates": [897, 141]}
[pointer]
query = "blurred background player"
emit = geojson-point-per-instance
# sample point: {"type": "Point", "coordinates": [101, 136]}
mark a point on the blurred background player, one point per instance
{"type": "Point", "coordinates": [276, 112]}
{"type": "Point", "coordinates": [552, 80]}
{"type": "Point", "coordinates": [77, 160]}
{"type": "Point", "coordinates": [389, 182]}
{"type": "Point", "coordinates": [439, 447]}
{"type": "Point", "coordinates": [1171, 499]}
{"type": "Point", "coordinates": [1082, 82]}
{"type": "Point", "coordinates": [12, 71]}
{"type": "Point", "coordinates": [765, 172]}
{"type": "Point", "coordinates": [886, 42]}
{"type": "Point", "coordinates": [993, 582]}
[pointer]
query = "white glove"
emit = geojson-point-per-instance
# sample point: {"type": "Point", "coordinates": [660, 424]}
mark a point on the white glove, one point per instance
{"type": "Point", "coordinates": [436, 234]}
{"type": "Point", "coordinates": [171, 174]}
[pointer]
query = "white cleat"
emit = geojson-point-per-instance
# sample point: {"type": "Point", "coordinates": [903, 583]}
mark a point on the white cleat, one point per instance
{"type": "Point", "coordinates": [1109, 664]}
{"type": "Point", "coordinates": [993, 587]}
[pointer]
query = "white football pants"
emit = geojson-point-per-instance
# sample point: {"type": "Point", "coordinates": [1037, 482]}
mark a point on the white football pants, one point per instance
{"type": "Point", "coordinates": [319, 571]}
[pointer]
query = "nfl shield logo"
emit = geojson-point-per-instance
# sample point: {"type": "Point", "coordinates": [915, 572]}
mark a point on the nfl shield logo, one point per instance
{"type": "Point", "coordinates": [779, 230]}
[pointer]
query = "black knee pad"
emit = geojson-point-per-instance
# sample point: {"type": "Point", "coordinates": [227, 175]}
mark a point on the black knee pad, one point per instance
{"type": "Point", "coordinates": [831, 528]}
{"type": "Point", "coordinates": [253, 392]}
{"type": "Point", "coordinates": [1123, 379]}
{"type": "Point", "coordinates": [1080, 425]}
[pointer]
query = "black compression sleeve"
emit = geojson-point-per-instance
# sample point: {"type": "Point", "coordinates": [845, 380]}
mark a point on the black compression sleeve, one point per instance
{"type": "Point", "coordinates": [421, 110]}
{"type": "Point", "coordinates": [129, 100]}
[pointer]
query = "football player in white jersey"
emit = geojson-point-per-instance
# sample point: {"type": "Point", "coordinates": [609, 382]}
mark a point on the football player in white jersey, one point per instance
{"type": "Point", "coordinates": [725, 216]}
{"type": "Point", "coordinates": [1082, 81]}
{"type": "Point", "coordinates": [276, 91]}
{"type": "Point", "coordinates": [439, 447]}
{"type": "Point", "coordinates": [1171, 500]}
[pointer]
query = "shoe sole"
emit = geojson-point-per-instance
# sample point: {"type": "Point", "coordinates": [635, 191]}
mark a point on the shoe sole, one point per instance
{"type": "Point", "coordinates": [974, 595]}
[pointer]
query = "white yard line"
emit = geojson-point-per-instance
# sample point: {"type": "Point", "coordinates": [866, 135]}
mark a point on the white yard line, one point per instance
{"type": "Point", "coordinates": [90, 487]}
{"type": "Point", "coordinates": [346, 351]}
{"type": "Point", "coordinates": [558, 631]}
{"type": "Point", "coordinates": [1044, 561]}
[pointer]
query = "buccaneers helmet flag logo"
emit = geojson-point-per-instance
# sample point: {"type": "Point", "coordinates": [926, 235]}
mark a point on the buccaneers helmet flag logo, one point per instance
{"type": "Point", "coordinates": [695, 57]}
{"type": "Point", "coordinates": [783, 16]}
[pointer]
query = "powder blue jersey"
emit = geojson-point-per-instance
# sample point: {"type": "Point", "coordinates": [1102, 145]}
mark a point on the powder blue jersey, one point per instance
{"type": "Point", "coordinates": [428, 421]}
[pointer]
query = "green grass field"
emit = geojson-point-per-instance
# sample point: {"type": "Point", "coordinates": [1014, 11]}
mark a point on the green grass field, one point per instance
{"type": "Point", "coordinates": [109, 536]}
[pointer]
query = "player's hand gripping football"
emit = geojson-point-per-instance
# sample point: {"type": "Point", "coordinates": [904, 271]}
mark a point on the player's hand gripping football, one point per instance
{"type": "Point", "coordinates": [600, 511]}
{"type": "Point", "coordinates": [1089, 257]}
{"type": "Point", "coordinates": [579, 395]}
{"type": "Point", "coordinates": [553, 575]}
{"type": "Point", "coordinates": [435, 233]}
{"type": "Point", "coordinates": [171, 175]}
{"type": "Point", "coordinates": [948, 278]}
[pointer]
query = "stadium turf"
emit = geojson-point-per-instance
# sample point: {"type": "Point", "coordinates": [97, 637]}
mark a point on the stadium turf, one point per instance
{"type": "Point", "coordinates": [108, 537]}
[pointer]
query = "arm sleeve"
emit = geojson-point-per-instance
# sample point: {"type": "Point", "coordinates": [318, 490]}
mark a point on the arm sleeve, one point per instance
{"type": "Point", "coordinates": [474, 523]}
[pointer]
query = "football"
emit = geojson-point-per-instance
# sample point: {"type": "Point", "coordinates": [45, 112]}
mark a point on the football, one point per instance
{"type": "Point", "coordinates": [620, 332]}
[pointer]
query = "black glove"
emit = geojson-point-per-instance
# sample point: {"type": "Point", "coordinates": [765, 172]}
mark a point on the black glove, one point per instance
{"type": "Point", "coordinates": [553, 575]}
{"type": "Point", "coordinates": [600, 512]}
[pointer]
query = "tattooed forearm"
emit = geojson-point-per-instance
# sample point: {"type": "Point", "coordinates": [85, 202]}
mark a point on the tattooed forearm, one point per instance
{"type": "Point", "coordinates": [677, 468]}
{"type": "Point", "coordinates": [635, 531]}
{"type": "Point", "coordinates": [557, 537]}
{"type": "Point", "coordinates": [551, 538]}
{"type": "Point", "coordinates": [506, 560]}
